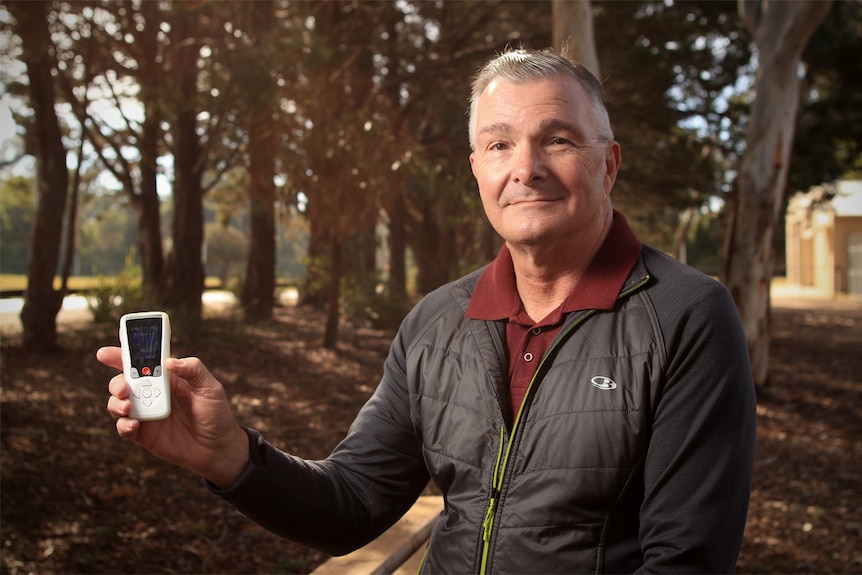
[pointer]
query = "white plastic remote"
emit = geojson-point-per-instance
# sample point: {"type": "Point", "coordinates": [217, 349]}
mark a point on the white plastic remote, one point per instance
{"type": "Point", "coordinates": [145, 339]}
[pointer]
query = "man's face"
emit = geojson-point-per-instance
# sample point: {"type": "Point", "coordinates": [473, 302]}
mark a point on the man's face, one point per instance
{"type": "Point", "coordinates": [544, 171]}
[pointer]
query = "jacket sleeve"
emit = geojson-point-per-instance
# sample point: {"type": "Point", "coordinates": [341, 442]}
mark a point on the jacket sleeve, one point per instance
{"type": "Point", "coordinates": [366, 484]}
{"type": "Point", "coordinates": [698, 469]}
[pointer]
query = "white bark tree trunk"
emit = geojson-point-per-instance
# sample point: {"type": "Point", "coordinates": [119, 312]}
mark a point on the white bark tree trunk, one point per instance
{"type": "Point", "coordinates": [573, 26]}
{"type": "Point", "coordinates": [780, 30]}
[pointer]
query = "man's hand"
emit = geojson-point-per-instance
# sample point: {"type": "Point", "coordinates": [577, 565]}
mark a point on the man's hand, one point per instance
{"type": "Point", "coordinates": [201, 433]}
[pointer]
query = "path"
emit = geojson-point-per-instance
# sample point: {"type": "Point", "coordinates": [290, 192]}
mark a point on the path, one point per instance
{"type": "Point", "coordinates": [75, 308]}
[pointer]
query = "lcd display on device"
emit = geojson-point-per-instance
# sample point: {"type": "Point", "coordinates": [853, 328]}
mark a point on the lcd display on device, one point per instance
{"type": "Point", "coordinates": [145, 346]}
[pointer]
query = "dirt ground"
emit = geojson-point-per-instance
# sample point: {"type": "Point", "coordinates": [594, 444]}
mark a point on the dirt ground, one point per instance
{"type": "Point", "coordinates": [75, 498]}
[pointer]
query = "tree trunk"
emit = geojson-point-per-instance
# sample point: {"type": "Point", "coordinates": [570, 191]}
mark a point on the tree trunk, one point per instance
{"type": "Point", "coordinates": [781, 31]}
{"type": "Point", "coordinates": [315, 289]}
{"type": "Point", "coordinates": [257, 295]}
{"type": "Point", "coordinates": [397, 281]}
{"type": "Point", "coordinates": [573, 27]}
{"type": "Point", "coordinates": [41, 301]}
{"type": "Point", "coordinates": [263, 136]}
{"type": "Point", "coordinates": [360, 261]}
{"type": "Point", "coordinates": [431, 271]}
{"type": "Point", "coordinates": [432, 245]}
{"type": "Point", "coordinates": [185, 270]}
{"type": "Point", "coordinates": [336, 270]}
{"type": "Point", "coordinates": [71, 228]}
{"type": "Point", "coordinates": [147, 204]}
{"type": "Point", "coordinates": [680, 243]}
{"type": "Point", "coordinates": [147, 208]}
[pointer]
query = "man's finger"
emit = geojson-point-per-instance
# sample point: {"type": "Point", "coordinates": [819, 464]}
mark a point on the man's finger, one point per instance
{"type": "Point", "coordinates": [110, 356]}
{"type": "Point", "coordinates": [118, 407]}
{"type": "Point", "coordinates": [118, 387]}
{"type": "Point", "coordinates": [128, 428]}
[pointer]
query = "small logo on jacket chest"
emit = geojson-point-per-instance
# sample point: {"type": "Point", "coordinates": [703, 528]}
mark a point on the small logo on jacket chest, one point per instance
{"type": "Point", "coordinates": [603, 382]}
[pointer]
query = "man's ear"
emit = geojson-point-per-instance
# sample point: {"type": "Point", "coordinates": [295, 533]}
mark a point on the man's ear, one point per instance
{"type": "Point", "coordinates": [613, 157]}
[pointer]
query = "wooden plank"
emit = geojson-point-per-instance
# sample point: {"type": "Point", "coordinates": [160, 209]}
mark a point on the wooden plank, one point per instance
{"type": "Point", "coordinates": [413, 563]}
{"type": "Point", "coordinates": [385, 554]}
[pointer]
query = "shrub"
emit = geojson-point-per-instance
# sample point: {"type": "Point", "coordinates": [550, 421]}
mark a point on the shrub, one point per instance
{"type": "Point", "coordinates": [114, 296]}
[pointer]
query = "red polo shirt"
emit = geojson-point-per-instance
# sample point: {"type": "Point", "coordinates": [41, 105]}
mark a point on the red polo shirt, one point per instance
{"type": "Point", "coordinates": [496, 298]}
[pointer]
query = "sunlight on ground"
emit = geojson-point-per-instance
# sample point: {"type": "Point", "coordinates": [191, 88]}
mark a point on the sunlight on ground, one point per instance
{"type": "Point", "coordinates": [75, 307]}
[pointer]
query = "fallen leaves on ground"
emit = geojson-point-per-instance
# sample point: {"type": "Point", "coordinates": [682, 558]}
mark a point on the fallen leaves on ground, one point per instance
{"type": "Point", "coordinates": [75, 498]}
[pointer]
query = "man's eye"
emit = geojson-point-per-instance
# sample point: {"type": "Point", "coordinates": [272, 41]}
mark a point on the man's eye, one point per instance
{"type": "Point", "coordinates": [559, 141]}
{"type": "Point", "coordinates": [497, 146]}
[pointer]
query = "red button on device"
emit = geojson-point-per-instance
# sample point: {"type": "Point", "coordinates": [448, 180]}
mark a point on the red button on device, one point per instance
{"type": "Point", "coordinates": [145, 371]}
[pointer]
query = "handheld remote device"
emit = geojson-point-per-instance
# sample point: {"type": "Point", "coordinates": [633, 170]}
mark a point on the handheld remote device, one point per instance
{"type": "Point", "coordinates": [145, 339]}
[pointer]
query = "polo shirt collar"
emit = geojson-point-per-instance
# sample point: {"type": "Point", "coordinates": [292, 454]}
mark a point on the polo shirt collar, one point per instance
{"type": "Point", "coordinates": [495, 296]}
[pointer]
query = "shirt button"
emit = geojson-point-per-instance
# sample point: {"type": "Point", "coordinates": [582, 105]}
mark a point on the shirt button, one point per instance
{"type": "Point", "coordinates": [537, 330]}
{"type": "Point", "coordinates": [528, 356]}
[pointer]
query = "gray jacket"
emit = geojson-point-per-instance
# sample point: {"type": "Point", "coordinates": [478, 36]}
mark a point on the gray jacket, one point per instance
{"type": "Point", "coordinates": [633, 449]}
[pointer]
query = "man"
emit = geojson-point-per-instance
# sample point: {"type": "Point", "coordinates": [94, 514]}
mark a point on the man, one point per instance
{"type": "Point", "coordinates": [584, 403]}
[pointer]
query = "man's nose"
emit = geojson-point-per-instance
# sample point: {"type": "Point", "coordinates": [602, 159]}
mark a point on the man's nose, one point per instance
{"type": "Point", "coordinates": [529, 164]}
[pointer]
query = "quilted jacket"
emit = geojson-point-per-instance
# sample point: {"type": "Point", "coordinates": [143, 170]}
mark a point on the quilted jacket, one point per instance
{"type": "Point", "coordinates": [632, 451]}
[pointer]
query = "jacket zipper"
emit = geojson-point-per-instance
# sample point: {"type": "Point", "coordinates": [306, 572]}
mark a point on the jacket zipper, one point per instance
{"type": "Point", "coordinates": [503, 453]}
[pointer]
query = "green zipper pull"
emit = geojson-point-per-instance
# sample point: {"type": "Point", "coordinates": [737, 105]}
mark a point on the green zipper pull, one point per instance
{"type": "Point", "coordinates": [496, 481]}
{"type": "Point", "coordinates": [496, 484]}
{"type": "Point", "coordinates": [489, 516]}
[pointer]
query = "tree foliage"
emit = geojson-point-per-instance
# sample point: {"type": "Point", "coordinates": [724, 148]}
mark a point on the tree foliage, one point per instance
{"type": "Point", "coordinates": [17, 207]}
{"type": "Point", "coordinates": [668, 69]}
{"type": "Point", "coordinates": [352, 114]}
{"type": "Point", "coordinates": [828, 142]}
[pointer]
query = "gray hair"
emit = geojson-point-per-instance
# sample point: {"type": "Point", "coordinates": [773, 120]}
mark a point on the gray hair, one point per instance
{"type": "Point", "coordinates": [519, 66]}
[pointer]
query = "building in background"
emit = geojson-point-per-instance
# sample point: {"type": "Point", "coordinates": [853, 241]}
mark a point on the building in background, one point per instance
{"type": "Point", "coordinates": [824, 239]}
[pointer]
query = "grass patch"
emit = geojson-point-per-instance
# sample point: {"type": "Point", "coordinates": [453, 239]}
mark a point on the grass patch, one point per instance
{"type": "Point", "coordinates": [19, 282]}
{"type": "Point", "coordinates": [9, 282]}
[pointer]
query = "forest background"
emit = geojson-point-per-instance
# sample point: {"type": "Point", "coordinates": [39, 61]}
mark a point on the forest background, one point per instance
{"type": "Point", "coordinates": [323, 145]}
{"type": "Point", "coordinates": [326, 141]}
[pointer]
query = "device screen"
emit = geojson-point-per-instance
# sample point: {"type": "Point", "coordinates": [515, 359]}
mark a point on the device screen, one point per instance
{"type": "Point", "coordinates": [145, 346]}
